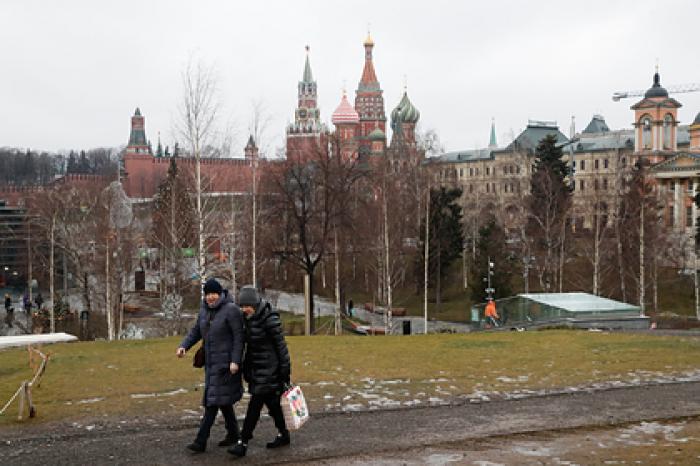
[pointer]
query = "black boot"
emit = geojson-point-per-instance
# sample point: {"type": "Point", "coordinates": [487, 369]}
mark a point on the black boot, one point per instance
{"type": "Point", "coordinates": [239, 449]}
{"type": "Point", "coordinates": [230, 439]}
{"type": "Point", "coordinates": [196, 447]}
{"type": "Point", "coordinates": [281, 440]}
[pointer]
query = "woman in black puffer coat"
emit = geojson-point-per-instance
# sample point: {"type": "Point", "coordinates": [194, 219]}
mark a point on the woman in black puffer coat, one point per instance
{"type": "Point", "coordinates": [220, 325]}
{"type": "Point", "coordinates": [266, 367]}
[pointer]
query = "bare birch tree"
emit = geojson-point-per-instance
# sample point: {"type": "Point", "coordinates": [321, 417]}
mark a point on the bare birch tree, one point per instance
{"type": "Point", "coordinates": [197, 114]}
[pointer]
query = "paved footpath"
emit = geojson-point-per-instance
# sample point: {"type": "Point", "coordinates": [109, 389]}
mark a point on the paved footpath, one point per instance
{"type": "Point", "coordinates": [352, 437]}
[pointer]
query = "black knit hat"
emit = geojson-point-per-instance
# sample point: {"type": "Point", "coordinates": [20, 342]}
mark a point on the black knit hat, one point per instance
{"type": "Point", "coordinates": [212, 286]}
{"type": "Point", "coordinates": [248, 296]}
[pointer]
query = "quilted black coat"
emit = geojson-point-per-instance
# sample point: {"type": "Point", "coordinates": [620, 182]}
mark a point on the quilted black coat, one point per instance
{"type": "Point", "coordinates": [266, 365]}
{"type": "Point", "coordinates": [223, 344]}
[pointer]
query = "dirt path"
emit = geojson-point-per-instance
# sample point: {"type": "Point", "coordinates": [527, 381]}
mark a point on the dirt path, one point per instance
{"type": "Point", "coordinates": [527, 430]}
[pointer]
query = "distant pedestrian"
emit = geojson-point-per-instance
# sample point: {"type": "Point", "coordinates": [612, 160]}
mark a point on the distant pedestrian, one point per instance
{"type": "Point", "coordinates": [27, 303]}
{"type": "Point", "coordinates": [350, 306]}
{"type": "Point", "coordinates": [39, 300]}
{"type": "Point", "coordinates": [266, 368]}
{"type": "Point", "coordinates": [491, 314]}
{"type": "Point", "coordinates": [220, 326]}
{"type": "Point", "coordinates": [8, 303]}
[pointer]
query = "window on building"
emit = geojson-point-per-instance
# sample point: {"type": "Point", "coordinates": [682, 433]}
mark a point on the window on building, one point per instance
{"type": "Point", "coordinates": [670, 220]}
{"type": "Point", "coordinates": [517, 169]}
{"type": "Point", "coordinates": [605, 184]}
{"type": "Point", "coordinates": [595, 164]}
{"type": "Point", "coordinates": [471, 172]}
{"type": "Point", "coordinates": [672, 185]}
{"type": "Point", "coordinates": [689, 216]}
{"type": "Point", "coordinates": [461, 173]}
{"type": "Point", "coordinates": [646, 133]}
{"type": "Point", "coordinates": [595, 184]}
{"type": "Point", "coordinates": [623, 162]}
{"type": "Point", "coordinates": [488, 169]}
{"type": "Point", "coordinates": [488, 187]}
{"type": "Point", "coordinates": [668, 129]}
{"type": "Point", "coordinates": [582, 185]}
{"type": "Point", "coordinates": [690, 187]}
{"type": "Point", "coordinates": [605, 163]}
{"type": "Point", "coordinates": [477, 171]}
{"type": "Point", "coordinates": [583, 165]}
{"type": "Point", "coordinates": [471, 188]}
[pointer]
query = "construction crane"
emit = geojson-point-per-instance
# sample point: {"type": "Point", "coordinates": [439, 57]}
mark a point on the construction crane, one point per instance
{"type": "Point", "coordinates": [679, 89]}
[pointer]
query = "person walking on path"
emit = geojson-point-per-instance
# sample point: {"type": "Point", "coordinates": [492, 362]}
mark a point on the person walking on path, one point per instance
{"type": "Point", "coordinates": [266, 368]}
{"type": "Point", "coordinates": [8, 303]}
{"type": "Point", "coordinates": [491, 314]}
{"type": "Point", "coordinates": [220, 326]}
{"type": "Point", "coordinates": [39, 300]}
{"type": "Point", "coordinates": [27, 303]}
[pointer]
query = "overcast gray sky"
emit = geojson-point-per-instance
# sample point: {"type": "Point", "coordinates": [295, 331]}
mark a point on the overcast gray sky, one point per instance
{"type": "Point", "coordinates": [73, 71]}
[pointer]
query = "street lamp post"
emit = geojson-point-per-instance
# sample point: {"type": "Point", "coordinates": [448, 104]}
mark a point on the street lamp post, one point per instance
{"type": "Point", "coordinates": [489, 289]}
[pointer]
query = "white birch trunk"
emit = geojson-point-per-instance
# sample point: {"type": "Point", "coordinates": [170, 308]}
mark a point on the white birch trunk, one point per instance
{"type": "Point", "coordinates": [338, 329]}
{"type": "Point", "coordinates": [425, 261]}
{"type": "Point", "coordinates": [387, 268]}
{"type": "Point", "coordinates": [108, 304]}
{"type": "Point", "coordinates": [641, 258]}
{"type": "Point", "coordinates": [51, 275]}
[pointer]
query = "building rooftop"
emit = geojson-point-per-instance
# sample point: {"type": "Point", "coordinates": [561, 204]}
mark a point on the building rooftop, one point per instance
{"type": "Point", "coordinates": [534, 133]}
{"type": "Point", "coordinates": [579, 302]}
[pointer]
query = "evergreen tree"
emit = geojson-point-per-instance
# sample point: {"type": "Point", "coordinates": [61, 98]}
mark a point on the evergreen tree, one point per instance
{"type": "Point", "coordinates": [83, 163]}
{"type": "Point", "coordinates": [491, 244]}
{"type": "Point", "coordinates": [29, 169]}
{"type": "Point", "coordinates": [72, 163]}
{"type": "Point", "coordinates": [446, 237]}
{"type": "Point", "coordinates": [548, 206]}
{"type": "Point", "coordinates": [173, 226]}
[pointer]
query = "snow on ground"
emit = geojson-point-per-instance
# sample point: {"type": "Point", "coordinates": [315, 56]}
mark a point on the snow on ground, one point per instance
{"type": "Point", "coordinates": [376, 393]}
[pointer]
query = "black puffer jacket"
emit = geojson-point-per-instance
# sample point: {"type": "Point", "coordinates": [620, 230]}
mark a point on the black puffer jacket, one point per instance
{"type": "Point", "coordinates": [223, 344]}
{"type": "Point", "coordinates": [266, 365]}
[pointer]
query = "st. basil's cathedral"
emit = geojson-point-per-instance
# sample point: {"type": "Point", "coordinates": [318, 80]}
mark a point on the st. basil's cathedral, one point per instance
{"type": "Point", "coordinates": [360, 130]}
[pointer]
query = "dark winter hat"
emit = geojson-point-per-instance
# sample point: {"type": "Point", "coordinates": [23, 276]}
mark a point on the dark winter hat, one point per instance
{"type": "Point", "coordinates": [248, 296]}
{"type": "Point", "coordinates": [212, 286]}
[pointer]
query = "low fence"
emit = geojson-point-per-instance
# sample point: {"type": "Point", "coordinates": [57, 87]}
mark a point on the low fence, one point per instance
{"type": "Point", "coordinates": [24, 392]}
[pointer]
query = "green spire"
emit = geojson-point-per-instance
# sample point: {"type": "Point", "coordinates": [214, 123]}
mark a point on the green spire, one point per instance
{"type": "Point", "coordinates": [492, 141]}
{"type": "Point", "coordinates": [308, 77]}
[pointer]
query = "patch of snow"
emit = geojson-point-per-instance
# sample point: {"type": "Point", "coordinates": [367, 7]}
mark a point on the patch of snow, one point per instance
{"type": "Point", "coordinates": [89, 401]}
{"type": "Point", "coordinates": [440, 459]}
{"type": "Point", "coordinates": [532, 449]}
{"type": "Point", "coordinates": [352, 407]}
{"type": "Point", "coordinates": [154, 395]}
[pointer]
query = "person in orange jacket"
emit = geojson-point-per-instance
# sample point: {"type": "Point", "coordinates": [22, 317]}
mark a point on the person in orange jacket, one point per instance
{"type": "Point", "coordinates": [491, 314]}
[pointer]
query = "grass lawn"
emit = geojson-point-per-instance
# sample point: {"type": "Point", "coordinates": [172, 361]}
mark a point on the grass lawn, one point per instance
{"type": "Point", "coordinates": [128, 378]}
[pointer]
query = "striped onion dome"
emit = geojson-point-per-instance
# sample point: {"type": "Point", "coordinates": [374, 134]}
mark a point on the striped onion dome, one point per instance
{"type": "Point", "coordinates": [405, 112]}
{"type": "Point", "coordinates": [345, 114]}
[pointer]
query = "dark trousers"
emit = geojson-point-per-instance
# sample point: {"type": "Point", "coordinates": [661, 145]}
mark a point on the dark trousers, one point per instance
{"type": "Point", "coordinates": [208, 421]}
{"type": "Point", "coordinates": [253, 414]}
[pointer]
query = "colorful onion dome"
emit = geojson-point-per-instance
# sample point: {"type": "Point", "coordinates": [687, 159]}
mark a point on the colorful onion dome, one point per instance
{"type": "Point", "coordinates": [377, 135]}
{"type": "Point", "coordinates": [405, 111]}
{"type": "Point", "coordinates": [345, 113]}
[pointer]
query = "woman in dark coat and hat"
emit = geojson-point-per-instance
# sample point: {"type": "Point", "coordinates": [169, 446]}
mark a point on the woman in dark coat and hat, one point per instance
{"type": "Point", "coordinates": [266, 367]}
{"type": "Point", "coordinates": [220, 325]}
